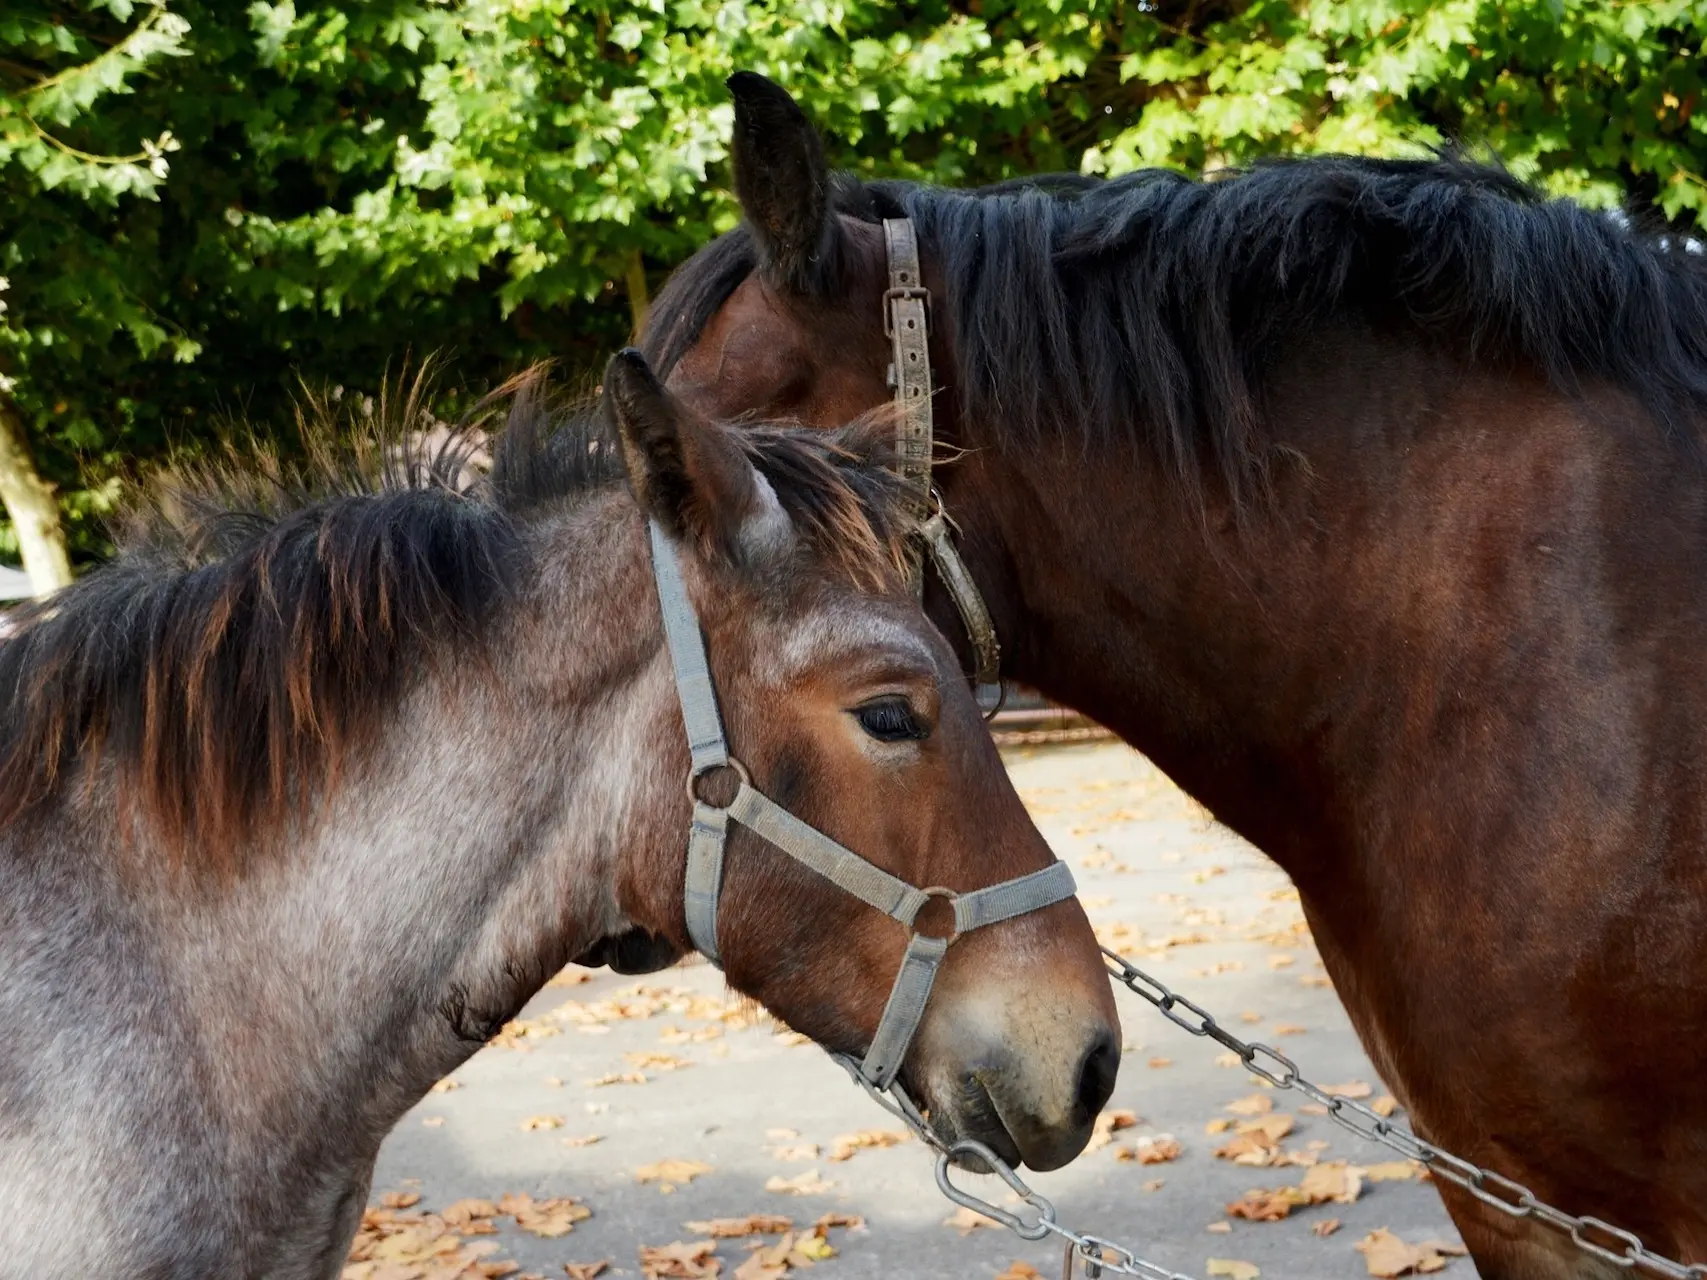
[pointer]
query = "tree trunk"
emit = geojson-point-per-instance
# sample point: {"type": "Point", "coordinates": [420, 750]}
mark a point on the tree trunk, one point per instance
{"type": "Point", "coordinates": [638, 300]}
{"type": "Point", "coordinates": [30, 503]}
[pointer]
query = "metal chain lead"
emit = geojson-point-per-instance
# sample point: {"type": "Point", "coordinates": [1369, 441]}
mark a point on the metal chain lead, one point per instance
{"type": "Point", "coordinates": [1601, 1239]}
{"type": "Point", "coordinates": [1101, 1257]}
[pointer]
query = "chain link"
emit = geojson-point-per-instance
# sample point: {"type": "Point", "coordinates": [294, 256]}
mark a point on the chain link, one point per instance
{"type": "Point", "coordinates": [1099, 1257]}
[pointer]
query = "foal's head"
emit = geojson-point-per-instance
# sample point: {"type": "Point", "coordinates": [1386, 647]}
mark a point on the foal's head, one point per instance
{"type": "Point", "coordinates": [849, 709]}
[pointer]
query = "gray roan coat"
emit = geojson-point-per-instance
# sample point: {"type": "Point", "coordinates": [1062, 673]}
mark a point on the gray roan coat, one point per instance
{"type": "Point", "coordinates": [315, 785]}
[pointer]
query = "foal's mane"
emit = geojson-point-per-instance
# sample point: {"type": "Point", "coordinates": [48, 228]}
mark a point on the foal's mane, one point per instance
{"type": "Point", "coordinates": [261, 617]}
{"type": "Point", "coordinates": [1147, 307]}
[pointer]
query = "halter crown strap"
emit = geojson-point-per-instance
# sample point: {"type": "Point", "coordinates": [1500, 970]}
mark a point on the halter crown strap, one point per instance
{"type": "Point", "coordinates": [807, 845]}
{"type": "Point", "coordinates": [908, 326]}
{"type": "Point", "coordinates": [906, 319]}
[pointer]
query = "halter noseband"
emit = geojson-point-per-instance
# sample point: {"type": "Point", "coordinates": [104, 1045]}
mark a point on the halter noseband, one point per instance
{"type": "Point", "coordinates": [806, 844]}
{"type": "Point", "coordinates": [906, 322]}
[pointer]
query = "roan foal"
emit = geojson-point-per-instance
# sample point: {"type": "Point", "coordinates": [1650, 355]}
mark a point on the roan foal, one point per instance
{"type": "Point", "coordinates": [311, 789]}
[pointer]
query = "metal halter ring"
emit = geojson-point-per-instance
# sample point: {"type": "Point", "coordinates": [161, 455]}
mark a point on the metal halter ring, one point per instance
{"type": "Point", "coordinates": [729, 763]}
{"type": "Point", "coordinates": [946, 895]}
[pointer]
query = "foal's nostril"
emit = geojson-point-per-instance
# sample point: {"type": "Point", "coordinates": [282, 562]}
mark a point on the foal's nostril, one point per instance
{"type": "Point", "coordinates": [1096, 1077]}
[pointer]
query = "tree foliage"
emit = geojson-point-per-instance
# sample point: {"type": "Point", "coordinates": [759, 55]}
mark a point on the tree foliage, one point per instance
{"type": "Point", "coordinates": [201, 202]}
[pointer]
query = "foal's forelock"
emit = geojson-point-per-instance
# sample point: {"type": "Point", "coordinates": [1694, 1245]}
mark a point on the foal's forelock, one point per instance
{"type": "Point", "coordinates": [261, 623]}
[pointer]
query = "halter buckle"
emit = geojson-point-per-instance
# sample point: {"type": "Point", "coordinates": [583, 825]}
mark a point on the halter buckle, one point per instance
{"type": "Point", "coordinates": [904, 293]}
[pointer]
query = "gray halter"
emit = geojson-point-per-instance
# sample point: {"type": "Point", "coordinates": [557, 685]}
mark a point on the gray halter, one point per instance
{"type": "Point", "coordinates": [841, 866]}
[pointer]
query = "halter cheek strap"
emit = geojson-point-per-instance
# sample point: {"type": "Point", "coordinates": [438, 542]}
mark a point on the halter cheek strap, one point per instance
{"type": "Point", "coordinates": [841, 866]}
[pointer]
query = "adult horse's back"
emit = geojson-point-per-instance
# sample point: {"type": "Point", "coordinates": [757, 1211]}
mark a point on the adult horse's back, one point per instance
{"type": "Point", "coordinates": [1367, 499]}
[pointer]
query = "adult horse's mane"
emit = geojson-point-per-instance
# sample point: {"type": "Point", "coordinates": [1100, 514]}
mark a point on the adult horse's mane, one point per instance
{"type": "Point", "coordinates": [261, 617]}
{"type": "Point", "coordinates": [1146, 307]}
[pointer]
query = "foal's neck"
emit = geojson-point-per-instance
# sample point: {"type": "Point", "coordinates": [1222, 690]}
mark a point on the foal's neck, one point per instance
{"type": "Point", "coordinates": [470, 856]}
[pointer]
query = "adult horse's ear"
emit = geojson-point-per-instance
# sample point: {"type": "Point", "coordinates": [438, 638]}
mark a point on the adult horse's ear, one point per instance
{"type": "Point", "coordinates": [687, 473]}
{"type": "Point", "coordinates": [781, 180]}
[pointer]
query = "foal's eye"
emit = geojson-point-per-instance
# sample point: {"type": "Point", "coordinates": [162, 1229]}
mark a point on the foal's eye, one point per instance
{"type": "Point", "coordinates": [891, 720]}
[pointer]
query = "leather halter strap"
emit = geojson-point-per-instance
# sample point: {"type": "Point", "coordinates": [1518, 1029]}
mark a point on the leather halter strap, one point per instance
{"type": "Point", "coordinates": [804, 843]}
{"type": "Point", "coordinates": [906, 321]}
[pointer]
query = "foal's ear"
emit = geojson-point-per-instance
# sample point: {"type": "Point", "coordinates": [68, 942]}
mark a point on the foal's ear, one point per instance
{"type": "Point", "coordinates": [781, 180]}
{"type": "Point", "coordinates": [688, 474]}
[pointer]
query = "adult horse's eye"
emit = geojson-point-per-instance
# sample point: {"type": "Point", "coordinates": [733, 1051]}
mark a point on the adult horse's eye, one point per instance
{"type": "Point", "coordinates": [891, 720]}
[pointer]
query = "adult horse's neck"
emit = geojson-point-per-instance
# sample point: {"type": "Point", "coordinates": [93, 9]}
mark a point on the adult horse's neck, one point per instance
{"type": "Point", "coordinates": [1387, 668]}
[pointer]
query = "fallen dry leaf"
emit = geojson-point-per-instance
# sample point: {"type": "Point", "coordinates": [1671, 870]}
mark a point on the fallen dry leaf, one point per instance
{"type": "Point", "coordinates": [657, 1061]}
{"type": "Point", "coordinates": [802, 1184]}
{"type": "Point", "coordinates": [1354, 1089]}
{"type": "Point", "coordinates": [669, 1174]}
{"type": "Point", "coordinates": [571, 977]}
{"type": "Point", "coordinates": [1336, 1180]}
{"type": "Point", "coordinates": [533, 1123]}
{"type": "Point", "coordinates": [1274, 1127]}
{"type": "Point", "coordinates": [446, 1085]}
{"type": "Point", "coordinates": [1257, 1104]}
{"type": "Point", "coordinates": [1220, 1228]}
{"type": "Point", "coordinates": [400, 1199]}
{"type": "Point", "coordinates": [754, 1224]}
{"type": "Point", "coordinates": [1387, 1256]}
{"type": "Point", "coordinates": [1107, 1125]}
{"type": "Point", "coordinates": [844, 1145]}
{"type": "Point", "coordinates": [1326, 1227]}
{"type": "Point", "coordinates": [1154, 1184]}
{"type": "Point", "coordinates": [1250, 1146]}
{"type": "Point", "coordinates": [683, 1260]}
{"type": "Point", "coordinates": [618, 1077]}
{"type": "Point", "coordinates": [1385, 1105]}
{"type": "Point", "coordinates": [1267, 1205]}
{"type": "Point", "coordinates": [1021, 1271]}
{"type": "Point", "coordinates": [1233, 1269]}
{"type": "Point", "coordinates": [432, 1122]}
{"type": "Point", "coordinates": [464, 1212]}
{"type": "Point", "coordinates": [1393, 1171]}
{"type": "Point", "coordinates": [585, 1270]}
{"type": "Point", "coordinates": [584, 1140]}
{"type": "Point", "coordinates": [796, 1151]}
{"type": "Point", "coordinates": [966, 1221]}
{"type": "Point", "coordinates": [1152, 1150]}
{"type": "Point", "coordinates": [546, 1218]}
{"type": "Point", "coordinates": [391, 1243]}
{"type": "Point", "coordinates": [1161, 1062]}
{"type": "Point", "coordinates": [1289, 1029]}
{"type": "Point", "coordinates": [1227, 1059]}
{"type": "Point", "coordinates": [518, 1034]}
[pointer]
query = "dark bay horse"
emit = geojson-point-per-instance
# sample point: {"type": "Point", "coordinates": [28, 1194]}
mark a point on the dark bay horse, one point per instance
{"type": "Point", "coordinates": [1366, 498]}
{"type": "Point", "coordinates": [311, 789]}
